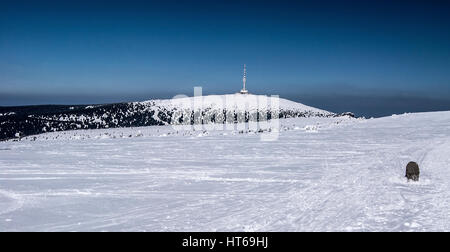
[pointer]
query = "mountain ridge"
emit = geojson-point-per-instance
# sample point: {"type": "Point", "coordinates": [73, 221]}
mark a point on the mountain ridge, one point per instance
{"type": "Point", "coordinates": [17, 122]}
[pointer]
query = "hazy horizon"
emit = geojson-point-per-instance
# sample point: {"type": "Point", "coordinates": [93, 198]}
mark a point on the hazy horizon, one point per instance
{"type": "Point", "coordinates": [361, 105]}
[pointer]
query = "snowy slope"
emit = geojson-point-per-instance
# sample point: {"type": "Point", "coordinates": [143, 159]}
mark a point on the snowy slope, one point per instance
{"type": "Point", "coordinates": [323, 174]}
{"type": "Point", "coordinates": [33, 120]}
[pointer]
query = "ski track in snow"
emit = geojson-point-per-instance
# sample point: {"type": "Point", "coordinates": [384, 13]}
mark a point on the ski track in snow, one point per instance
{"type": "Point", "coordinates": [330, 177]}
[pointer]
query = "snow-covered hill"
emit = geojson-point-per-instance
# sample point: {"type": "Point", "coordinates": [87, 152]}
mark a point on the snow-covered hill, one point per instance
{"type": "Point", "coordinates": [323, 174]}
{"type": "Point", "coordinates": [236, 102]}
{"type": "Point", "coordinates": [24, 121]}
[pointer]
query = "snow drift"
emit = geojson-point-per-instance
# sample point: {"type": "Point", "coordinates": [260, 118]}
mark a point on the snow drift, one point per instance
{"type": "Point", "coordinates": [323, 174]}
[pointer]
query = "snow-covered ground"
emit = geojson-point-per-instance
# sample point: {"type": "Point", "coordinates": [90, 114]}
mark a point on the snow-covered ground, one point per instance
{"type": "Point", "coordinates": [322, 174]}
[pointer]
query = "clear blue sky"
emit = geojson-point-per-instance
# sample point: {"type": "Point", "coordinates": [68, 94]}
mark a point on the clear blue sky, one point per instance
{"type": "Point", "coordinates": [106, 51]}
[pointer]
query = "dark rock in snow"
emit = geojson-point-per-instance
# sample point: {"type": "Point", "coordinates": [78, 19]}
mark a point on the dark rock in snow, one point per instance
{"type": "Point", "coordinates": [412, 171]}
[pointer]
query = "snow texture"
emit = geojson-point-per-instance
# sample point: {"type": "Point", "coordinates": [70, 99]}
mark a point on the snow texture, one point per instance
{"type": "Point", "coordinates": [323, 174]}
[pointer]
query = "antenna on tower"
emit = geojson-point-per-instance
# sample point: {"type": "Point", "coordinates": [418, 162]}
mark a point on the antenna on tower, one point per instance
{"type": "Point", "coordinates": [244, 80]}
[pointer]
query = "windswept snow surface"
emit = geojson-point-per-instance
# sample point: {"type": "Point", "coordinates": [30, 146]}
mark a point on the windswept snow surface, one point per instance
{"type": "Point", "coordinates": [323, 174]}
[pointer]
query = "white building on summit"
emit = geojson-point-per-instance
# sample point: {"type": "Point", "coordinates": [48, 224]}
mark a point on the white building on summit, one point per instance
{"type": "Point", "coordinates": [244, 80]}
